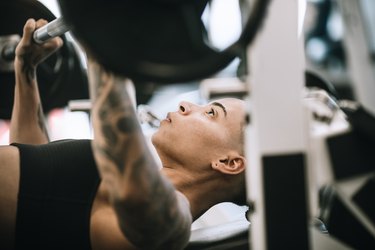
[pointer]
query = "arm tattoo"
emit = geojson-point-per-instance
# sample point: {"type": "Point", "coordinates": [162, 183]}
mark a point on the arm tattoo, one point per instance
{"type": "Point", "coordinates": [146, 203]}
{"type": "Point", "coordinates": [41, 121]}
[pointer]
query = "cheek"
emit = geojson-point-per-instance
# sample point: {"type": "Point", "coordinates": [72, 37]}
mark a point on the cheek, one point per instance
{"type": "Point", "coordinates": [204, 137]}
{"type": "Point", "coordinates": [189, 134]}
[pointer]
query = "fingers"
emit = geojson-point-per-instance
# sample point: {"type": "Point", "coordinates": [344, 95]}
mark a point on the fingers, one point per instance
{"type": "Point", "coordinates": [53, 44]}
{"type": "Point", "coordinates": [40, 23]}
{"type": "Point", "coordinates": [28, 30]}
{"type": "Point", "coordinates": [31, 25]}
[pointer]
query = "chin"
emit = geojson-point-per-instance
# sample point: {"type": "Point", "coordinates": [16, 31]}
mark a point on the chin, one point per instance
{"type": "Point", "coordinates": [157, 139]}
{"type": "Point", "coordinates": [154, 138]}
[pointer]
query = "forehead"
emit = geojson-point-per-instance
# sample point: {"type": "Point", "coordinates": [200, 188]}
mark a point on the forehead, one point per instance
{"type": "Point", "coordinates": [232, 105]}
{"type": "Point", "coordinates": [235, 109]}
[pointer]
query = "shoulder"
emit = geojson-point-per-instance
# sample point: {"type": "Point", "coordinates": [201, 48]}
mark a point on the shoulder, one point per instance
{"type": "Point", "coordinates": [9, 157]}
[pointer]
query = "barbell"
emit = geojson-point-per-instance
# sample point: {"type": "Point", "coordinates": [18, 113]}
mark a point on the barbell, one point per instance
{"type": "Point", "coordinates": [163, 41]}
{"type": "Point", "coordinates": [150, 41]}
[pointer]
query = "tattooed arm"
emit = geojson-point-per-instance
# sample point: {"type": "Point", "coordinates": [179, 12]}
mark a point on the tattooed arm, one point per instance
{"type": "Point", "coordinates": [27, 123]}
{"type": "Point", "coordinates": [150, 212]}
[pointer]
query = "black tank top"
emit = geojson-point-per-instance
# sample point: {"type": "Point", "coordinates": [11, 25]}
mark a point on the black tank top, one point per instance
{"type": "Point", "coordinates": [58, 183]}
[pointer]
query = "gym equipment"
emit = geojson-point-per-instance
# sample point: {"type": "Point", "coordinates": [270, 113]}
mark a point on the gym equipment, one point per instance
{"type": "Point", "coordinates": [156, 40]}
{"type": "Point", "coordinates": [53, 29]}
{"type": "Point", "coordinates": [299, 167]}
{"type": "Point", "coordinates": [61, 77]}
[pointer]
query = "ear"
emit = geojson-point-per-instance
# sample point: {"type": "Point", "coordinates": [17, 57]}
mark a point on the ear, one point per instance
{"type": "Point", "coordinates": [231, 164]}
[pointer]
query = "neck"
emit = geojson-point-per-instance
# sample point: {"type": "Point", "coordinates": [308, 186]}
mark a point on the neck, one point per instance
{"type": "Point", "coordinates": [203, 190]}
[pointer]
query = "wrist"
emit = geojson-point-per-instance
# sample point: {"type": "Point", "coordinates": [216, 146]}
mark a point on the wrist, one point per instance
{"type": "Point", "coordinates": [20, 63]}
{"type": "Point", "coordinates": [25, 71]}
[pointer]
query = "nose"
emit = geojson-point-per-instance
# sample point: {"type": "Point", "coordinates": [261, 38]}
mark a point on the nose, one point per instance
{"type": "Point", "coordinates": [184, 108]}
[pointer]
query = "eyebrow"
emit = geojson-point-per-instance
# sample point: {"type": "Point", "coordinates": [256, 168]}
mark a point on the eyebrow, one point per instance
{"type": "Point", "coordinates": [218, 104]}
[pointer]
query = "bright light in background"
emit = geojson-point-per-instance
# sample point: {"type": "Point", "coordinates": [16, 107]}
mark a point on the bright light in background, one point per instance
{"type": "Point", "coordinates": [65, 124]}
{"type": "Point", "coordinates": [223, 18]}
{"type": "Point", "coordinates": [4, 132]}
{"type": "Point", "coordinates": [52, 6]}
{"type": "Point", "coordinates": [61, 124]}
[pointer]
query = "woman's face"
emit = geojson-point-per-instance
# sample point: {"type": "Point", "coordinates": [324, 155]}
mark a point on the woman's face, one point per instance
{"type": "Point", "coordinates": [196, 134]}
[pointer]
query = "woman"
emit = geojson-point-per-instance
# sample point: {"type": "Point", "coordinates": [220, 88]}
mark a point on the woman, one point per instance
{"type": "Point", "coordinates": [109, 193]}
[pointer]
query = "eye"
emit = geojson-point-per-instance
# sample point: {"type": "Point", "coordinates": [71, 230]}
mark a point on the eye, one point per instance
{"type": "Point", "coordinates": [211, 112]}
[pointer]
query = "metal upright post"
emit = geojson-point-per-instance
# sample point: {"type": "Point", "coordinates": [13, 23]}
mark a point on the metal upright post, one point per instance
{"type": "Point", "coordinates": [276, 136]}
{"type": "Point", "coordinates": [359, 45]}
